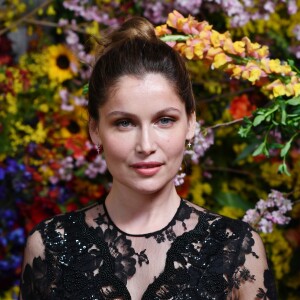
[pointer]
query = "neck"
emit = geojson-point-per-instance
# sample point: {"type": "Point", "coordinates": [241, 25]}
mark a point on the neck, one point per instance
{"type": "Point", "coordinates": [138, 213]}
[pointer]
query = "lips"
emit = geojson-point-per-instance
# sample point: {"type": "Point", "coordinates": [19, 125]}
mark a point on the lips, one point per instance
{"type": "Point", "coordinates": [146, 165]}
{"type": "Point", "coordinates": [147, 168]}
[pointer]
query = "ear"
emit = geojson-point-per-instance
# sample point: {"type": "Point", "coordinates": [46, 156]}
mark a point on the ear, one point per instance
{"type": "Point", "coordinates": [191, 126]}
{"type": "Point", "coordinates": [94, 132]}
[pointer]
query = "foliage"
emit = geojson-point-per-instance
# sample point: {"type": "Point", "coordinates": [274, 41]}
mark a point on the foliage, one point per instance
{"type": "Point", "coordinates": [248, 103]}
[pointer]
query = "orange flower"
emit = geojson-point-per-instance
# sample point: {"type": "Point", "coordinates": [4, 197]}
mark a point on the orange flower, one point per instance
{"type": "Point", "coordinates": [162, 30]}
{"type": "Point", "coordinates": [241, 107]}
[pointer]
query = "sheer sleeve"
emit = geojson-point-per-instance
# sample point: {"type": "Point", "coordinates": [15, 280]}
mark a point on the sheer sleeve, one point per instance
{"type": "Point", "coordinates": [34, 269]}
{"type": "Point", "coordinates": [262, 286]}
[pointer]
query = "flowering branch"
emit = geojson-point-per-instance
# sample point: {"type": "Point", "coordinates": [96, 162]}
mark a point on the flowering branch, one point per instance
{"type": "Point", "coordinates": [225, 124]}
{"type": "Point", "coordinates": [269, 212]}
{"type": "Point", "coordinates": [25, 17]}
{"type": "Point", "coordinates": [243, 60]}
{"type": "Point", "coordinates": [55, 25]}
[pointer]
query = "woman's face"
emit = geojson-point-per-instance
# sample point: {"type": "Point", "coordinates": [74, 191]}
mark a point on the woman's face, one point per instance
{"type": "Point", "coordinates": [143, 127]}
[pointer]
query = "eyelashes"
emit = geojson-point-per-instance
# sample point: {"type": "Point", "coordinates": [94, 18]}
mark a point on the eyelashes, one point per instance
{"type": "Point", "coordinates": [124, 123]}
{"type": "Point", "coordinates": [164, 122]}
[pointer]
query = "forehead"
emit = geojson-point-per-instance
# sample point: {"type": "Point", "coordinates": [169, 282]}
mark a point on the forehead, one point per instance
{"type": "Point", "coordinates": [148, 81]}
{"type": "Point", "coordinates": [151, 86]}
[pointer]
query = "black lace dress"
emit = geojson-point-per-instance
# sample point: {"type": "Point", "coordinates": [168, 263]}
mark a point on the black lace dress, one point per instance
{"type": "Point", "coordinates": [198, 255]}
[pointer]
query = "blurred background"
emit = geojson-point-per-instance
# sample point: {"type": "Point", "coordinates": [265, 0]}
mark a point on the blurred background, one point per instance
{"type": "Point", "coordinates": [240, 168]}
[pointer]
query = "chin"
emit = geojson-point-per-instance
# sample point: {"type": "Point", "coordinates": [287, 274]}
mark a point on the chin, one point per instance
{"type": "Point", "coordinates": [151, 187]}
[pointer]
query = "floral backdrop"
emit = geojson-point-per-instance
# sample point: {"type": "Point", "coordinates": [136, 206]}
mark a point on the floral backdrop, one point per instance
{"type": "Point", "coordinates": [244, 60]}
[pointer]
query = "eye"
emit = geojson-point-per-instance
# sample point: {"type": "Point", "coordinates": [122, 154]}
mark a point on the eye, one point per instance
{"type": "Point", "coordinates": [123, 123]}
{"type": "Point", "coordinates": [166, 121]}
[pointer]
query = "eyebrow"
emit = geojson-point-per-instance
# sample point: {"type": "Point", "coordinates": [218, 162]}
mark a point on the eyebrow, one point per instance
{"type": "Point", "coordinates": [127, 114]}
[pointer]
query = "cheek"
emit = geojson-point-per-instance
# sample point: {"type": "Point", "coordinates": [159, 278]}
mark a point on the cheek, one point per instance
{"type": "Point", "coordinates": [116, 148]}
{"type": "Point", "coordinates": [175, 147]}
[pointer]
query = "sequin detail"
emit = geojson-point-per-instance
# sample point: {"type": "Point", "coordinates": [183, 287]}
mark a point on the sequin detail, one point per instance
{"type": "Point", "coordinates": [199, 255]}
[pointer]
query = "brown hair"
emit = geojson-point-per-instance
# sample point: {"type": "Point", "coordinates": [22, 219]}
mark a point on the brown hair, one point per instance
{"type": "Point", "coordinates": [134, 49]}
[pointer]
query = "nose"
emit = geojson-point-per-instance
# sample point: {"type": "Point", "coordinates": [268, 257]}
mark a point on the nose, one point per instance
{"type": "Point", "coordinates": [146, 141]}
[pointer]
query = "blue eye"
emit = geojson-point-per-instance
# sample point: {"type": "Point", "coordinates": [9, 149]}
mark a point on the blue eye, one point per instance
{"type": "Point", "coordinates": [123, 123]}
{"type": "Point", "coordinates": [166, 121]}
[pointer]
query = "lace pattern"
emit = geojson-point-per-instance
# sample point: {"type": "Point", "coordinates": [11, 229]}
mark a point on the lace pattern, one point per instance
{"type": "Point", "coordinates": [203, 256]}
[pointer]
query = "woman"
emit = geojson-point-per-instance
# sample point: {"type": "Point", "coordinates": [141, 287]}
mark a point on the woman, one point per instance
{"type": "Point", "coordinates": [143, 241]}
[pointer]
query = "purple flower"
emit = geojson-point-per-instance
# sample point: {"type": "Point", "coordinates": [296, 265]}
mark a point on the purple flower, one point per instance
{"type": "Point", "coordinates": [2, 173]}
{"type": "Point", "coordinates": [296, 32]}
{"type": "Point", "coordinates": [201, 143]}
{"type": "Point", "coordinates": [66, 170]}
{"type": "Point", "coordinates": [8, 217]}
{"type": "Point", "coordinates": [12, 166]}
{"type": "Point", "coordinates": [156, 11]}
{"type": "Point", "coordinates": [188, 6]}
{"type": "Point", "coordinates": [98, 166]}
{"type": "Point", "coordinates": [17, 236]}
{"type": "Point", "coordinates": [292, 7]}
{"type": "Point", "coordinates": [10, 263]}
{"type": "Point", "coordinates": [179, 179]}
{"type": "Point", "coordinates": [269, 212]}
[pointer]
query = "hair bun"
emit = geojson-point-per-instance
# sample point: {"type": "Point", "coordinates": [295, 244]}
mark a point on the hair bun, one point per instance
{"type": "Point", "coordinates": [136, 27]}
{"type": "Point", "coordinates": [133, 28]}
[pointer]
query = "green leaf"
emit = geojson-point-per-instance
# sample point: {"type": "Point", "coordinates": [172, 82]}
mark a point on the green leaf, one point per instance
{"type": "Point", "coordinates": [283, 113]}
{"type": "Point", "coordinates": [283, 169]}
{"type": "Point", "coordinates": [85, 89]}
{"type": "Point", "coordinates": [244, 131]}
{"type": "Point", "coordinates": [232, 199]}
{"type": "Point", "coordinates": [258, 119]}
{"type": "Point", "coordinates": [246, 152]}
{"type": "Point", "coordinates": [260, 149]}
{"type": "Point", "coordinates": [174, 37]}
{"type": "Point", "coordinates": [276, 146]}
{"type": "Point", "coordinates": [291, 62]}
{"type": "Point", "coordinates": [286, 148]}
{"type": "Point", "coordinates": [294, 101]}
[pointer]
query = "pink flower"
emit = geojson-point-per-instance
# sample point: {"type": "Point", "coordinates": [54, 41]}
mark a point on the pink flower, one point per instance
{"type": "Point", "coordinates": [201, 143]}
{"type": "Point", "coordinates": [269, 212]}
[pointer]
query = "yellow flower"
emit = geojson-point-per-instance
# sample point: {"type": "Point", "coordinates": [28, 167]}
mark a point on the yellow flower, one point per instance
{"type": "Point", "coordinates": [279, 90]}
{"type": "Point", "coordinates": [271, 175]}
{"type": "Point", "coordinates": [46, 172]}
{"type": "Point", "coordinates": [231, 212]}
{"type": "Point", "coordinates": [189, 53]}
{"type": "Point", "coordinates": [198, 190]}
{"type": "Point", "coordinates": [51, 11]}
{"type": "Point", "coordinates": [196, 174]}
{"type": "Point", "coordinates": [252, 72]}
{"type": "Point", "coordinates": [276, 67]}
{"type": "Point", "coordinates": [62, 63]}
{"type": "Point", "coordinates": [162, 30]}
{"type": "Point", "coordinates": [199, 49]}
{"type": "Point", "coordinates": [220, 60]}
{"type": "Point", "coordinates": [44, 108]}
{"type": "Point", "coordinates": [93, 28]}
{"type": "Point", "coordinates": [231, 47]}
{"type": "Point", "coordinates": [296, 88]}
{"type": "Point", "coordinates": [2, 77]}
{"type": "Point", "coordinates": [263, 52]}
{"type": "Point", "coordinates": [236, 70]}
{"type": "Point", "coordinates": [33, 62]}
{"type": "Point", "coordinates": [11, 293]}
{"type": "Point", "coordinates": [12, 103]}
{"type": "Point", "coordinates": [279, 251]}
{"type": "Point", "coordinates": [217, 39]}
{"type": "Point", "coordinates": [40, 134]}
